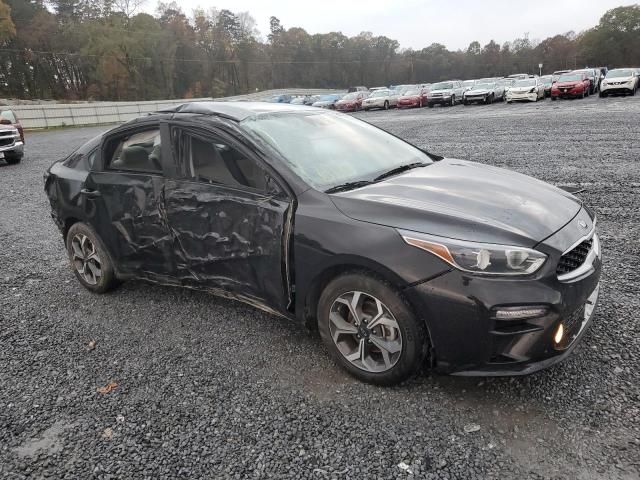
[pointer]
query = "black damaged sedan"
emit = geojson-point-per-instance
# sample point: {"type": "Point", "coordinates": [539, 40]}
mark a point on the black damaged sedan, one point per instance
{"type": "Point", "coordinates": [399, 256]}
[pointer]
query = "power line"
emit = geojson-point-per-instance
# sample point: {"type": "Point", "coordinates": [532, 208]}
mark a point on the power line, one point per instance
{"type": "Point", "coordinates": [208, 61]}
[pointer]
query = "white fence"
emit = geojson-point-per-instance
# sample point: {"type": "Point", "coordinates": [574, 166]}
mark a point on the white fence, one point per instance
{"type": "Point", "coordinates": [83, 114]}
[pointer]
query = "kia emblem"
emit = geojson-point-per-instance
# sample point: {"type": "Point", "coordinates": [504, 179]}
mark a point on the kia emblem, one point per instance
{"type": "Point", "coordinates": [582, 223]}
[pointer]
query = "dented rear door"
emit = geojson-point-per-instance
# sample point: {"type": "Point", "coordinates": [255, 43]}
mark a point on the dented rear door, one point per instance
{"type": "Point", "coordinates": [229, 219]}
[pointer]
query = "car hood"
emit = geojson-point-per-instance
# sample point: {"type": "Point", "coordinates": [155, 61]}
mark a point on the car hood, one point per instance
{"type": "Point", "coordinates": [464, 200]}
{"type": "Point", "coordinates": [479, 91]}
{"type": "Point", "coordinates": [520, 89]}
{"type": "Point", "coordinates": [411, 98]}
{"type": "Point", "coordinates": [345, 102]}
{"type": "Point", "coordinates": [448, 90]}
{"type": "Point", "coordinates": [568, 84]}
{"type": "Point", "coordinates": [618, 79]}
{"type": "Point", "coordinates": [324, 103]}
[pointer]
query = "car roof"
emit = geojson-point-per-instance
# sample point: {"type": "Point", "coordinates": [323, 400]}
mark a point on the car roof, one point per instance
{"type": "Point", "coordinates": [237, 111]}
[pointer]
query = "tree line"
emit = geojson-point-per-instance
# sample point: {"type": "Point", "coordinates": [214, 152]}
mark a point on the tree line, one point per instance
{"type": "Point", "coordinates": [112, 50]}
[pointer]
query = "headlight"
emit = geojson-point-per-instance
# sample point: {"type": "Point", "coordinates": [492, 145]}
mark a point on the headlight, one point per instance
{"type": "Point", "coordinates": [480, 258]}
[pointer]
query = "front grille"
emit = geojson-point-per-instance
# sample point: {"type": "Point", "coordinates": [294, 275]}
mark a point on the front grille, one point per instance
{"type": "Point", "coordinates": [574, 258]}
{"type": "Point", "coordinates": [7, 137]}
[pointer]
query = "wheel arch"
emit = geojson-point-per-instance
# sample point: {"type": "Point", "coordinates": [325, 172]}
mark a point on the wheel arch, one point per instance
{"type": "Point", "coordinates": [310, 295]}
{"type": "Point", "coordinates": [67, 224]}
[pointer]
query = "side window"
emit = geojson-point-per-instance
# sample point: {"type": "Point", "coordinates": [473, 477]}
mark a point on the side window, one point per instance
{"type": "Point", "coordinates": [81, 161]}
{"type": "Point", "coordinates": [210, 160]}
{"type": "Point", "coordinates": [136, 152]}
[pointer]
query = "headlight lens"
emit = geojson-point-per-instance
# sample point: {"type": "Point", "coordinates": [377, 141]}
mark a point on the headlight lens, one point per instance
{"type": "Point", "coordinates": [480, 258]}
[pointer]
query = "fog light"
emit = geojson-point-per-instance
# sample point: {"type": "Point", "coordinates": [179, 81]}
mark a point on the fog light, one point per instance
{"type": "Point", "coordinates": [559, 334]}
{"type": "Point", "coordinates": [519, 313]}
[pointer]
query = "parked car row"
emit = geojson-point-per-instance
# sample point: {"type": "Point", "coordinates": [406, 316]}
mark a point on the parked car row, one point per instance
{"type": "Point", "coordinates": [519, 87]}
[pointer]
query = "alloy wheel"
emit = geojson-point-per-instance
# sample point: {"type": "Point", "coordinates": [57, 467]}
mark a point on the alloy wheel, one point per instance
{"type": "Point", "coordinates": [85, 259]}
{"type": "Point", "coordinates": [365, 332]}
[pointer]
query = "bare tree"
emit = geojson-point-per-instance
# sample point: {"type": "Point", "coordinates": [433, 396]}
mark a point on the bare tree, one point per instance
{"type": "Point", "coordinates": [128, 7]}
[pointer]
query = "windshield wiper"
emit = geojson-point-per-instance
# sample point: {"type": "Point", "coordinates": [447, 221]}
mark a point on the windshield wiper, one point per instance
{"type": "Point", "coordinates": [400, 169]}
{"type": "Point", "coordinates": [348, 186]}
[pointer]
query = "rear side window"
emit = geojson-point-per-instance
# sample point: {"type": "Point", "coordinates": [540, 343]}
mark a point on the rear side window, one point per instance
{"type": "Point", "coordinates": [83, 157]}
{"type": "Point", "coordinates": [81, 161]}
{"type": "Point", "coordinates": [208, 159]}
{"type": "Point", "coordinates": [136, 152]}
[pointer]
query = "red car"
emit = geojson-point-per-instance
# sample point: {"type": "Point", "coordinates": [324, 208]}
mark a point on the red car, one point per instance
{"type": "Point", "coordinates": [11, 137]}
{"type": "Point", "coordinates": [571, 85]}
{"type": "Point", "coordinates": [413, 98]}
{"type": "Point", "coordinates": [352, 102]}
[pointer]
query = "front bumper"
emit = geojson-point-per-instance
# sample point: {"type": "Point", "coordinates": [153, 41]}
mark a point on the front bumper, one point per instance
{"type": "Point", "coordinates": [467, 339]}
{"type": "Point", "coordinates": [440, 100]}
{"type": "Point", "coordinates": [476, 98]}
{"type": "Point", "coordinates": [568, 93]}
{"type": "Point", "coordinates": [624, 88]}
{"type": "Point", "coordinates": [522, 97]}
{"type": "Point", "coordinates": [346, 108]}
{"type": "Point", "coordinates": [16, 147]}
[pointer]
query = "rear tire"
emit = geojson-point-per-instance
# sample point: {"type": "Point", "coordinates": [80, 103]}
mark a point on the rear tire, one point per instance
{"type": "Point", "coordinates": [397, 328]}
{"type": "Point", "coordinates": [386, 105]}
{"type": "Point", "coordinates": [12, 159]}
{"type": "Point", "coordinates": [90, 259]}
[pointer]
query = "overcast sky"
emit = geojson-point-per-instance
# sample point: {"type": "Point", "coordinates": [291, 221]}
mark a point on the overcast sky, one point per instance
{"type": "Point", "coordinates": [419, 23]}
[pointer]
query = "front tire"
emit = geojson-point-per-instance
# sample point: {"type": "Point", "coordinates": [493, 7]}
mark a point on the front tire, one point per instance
{"type": "Point", "coordinates": [386, 105]}
{"type": "Point", "coordinates": [90, 259]}
{"type": "Point", "coordinates": [370, 330]}
{"type": "Point", "coordinates": [453, 101]}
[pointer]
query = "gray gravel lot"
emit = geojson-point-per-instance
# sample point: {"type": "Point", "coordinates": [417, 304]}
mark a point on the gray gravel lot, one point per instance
{"type": "Point", "coordinates": [211, 388]}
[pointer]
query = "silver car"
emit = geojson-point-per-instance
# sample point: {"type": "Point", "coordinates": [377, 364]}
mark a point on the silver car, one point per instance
{"type": "Point", "coordinates": [385, 99]}
{"type": "Point", "coordinates": [484, 92]}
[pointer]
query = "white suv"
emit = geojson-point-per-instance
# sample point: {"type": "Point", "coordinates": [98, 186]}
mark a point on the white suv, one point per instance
{"type": "Point", "coordinates": [620, 80]}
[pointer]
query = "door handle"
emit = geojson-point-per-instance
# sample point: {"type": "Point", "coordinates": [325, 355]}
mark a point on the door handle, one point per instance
{"type": "Point", "coordinates": [87, 192]}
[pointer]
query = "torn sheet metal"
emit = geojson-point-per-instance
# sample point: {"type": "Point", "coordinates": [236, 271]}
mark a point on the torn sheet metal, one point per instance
{"type": "Point", "coordinates": [230, 241]}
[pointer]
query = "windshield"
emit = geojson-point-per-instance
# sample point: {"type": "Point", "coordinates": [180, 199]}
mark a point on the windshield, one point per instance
{"type": "Point", "coordinates": [570, 78]}
{"type": "Point", "coordinates": [380, 93]}
{"type": "Point", "coordinates": [529, 82]}
{"type": "Point", "coordinates": [411, 92]}
{"type": "Point", "coordinates": [442, 86]}
{"type": "Point", "coordinates": [486, 86]}
{"type": "Point", "coordinates": [351, 96]}
{"type": "Point", "coordinates": [326, 149]}
{"type": "Point", "coordinates": [619, 73]}
{"type": "Point", "coordinates": [468, 83]}
{"type": "Point", "coordinates": [328, 98]}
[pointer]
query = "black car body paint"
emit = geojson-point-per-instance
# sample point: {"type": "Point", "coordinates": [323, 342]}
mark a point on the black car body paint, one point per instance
{"type": "Point", "coordinates": [275, 249]}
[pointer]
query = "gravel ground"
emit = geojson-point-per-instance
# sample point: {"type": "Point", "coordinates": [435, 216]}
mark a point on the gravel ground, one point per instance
{"type": "Point", "coordinates": [206, 387]}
